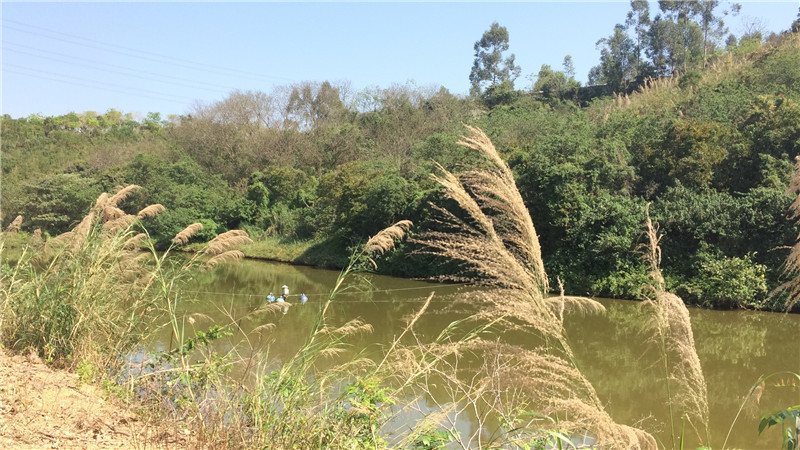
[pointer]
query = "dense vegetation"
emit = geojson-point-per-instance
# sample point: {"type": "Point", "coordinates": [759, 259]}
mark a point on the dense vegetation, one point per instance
{"type": "Point", "coordinates": [711, 147]}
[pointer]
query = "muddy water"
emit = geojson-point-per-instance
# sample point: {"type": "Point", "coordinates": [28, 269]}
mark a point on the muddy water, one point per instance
{"type": "Point", "coordinates": [735, 347]}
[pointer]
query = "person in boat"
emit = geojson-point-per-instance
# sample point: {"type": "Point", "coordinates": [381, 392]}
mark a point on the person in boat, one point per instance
{"type": "Point", "coordinates": [303, 298]}
{"type": "Point", "coordinates": [271, 298]}
{"type": "Point", "coordinates": [285, 291]}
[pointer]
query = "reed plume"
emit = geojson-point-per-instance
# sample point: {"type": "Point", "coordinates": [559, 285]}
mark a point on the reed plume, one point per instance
{"type": "Point", "coordinates": [227, 241]}
{"type": "Point", "coordinates": [13, 227]}
{"type": "Point", "coordinates": [791, 267]}
{"type": "Point", "coordinates": [121, 223]}
{"type": "Point", "coordinates": [112, 213]}
{"type": "Point", "coordinates": [493, 236]}
{"type": "Point", "coordinates": [183, 237]}
{"type": "Point", "coordinates": [122, 194]}
{"type": "Point", "coordinates": [385, 239]}
{"type": "Point", "coordinates": [150, 211]}
{"type": "Point", "coordinates": [671, 330]}
{"type": "Point", "coordinates": [230, 255]}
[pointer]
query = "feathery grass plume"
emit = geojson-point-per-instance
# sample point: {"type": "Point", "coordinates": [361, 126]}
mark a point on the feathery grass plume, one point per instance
{"type": "Point", "coordinates": [227, 241]}
{"type": "Point", "coordinates": [671, 329]}
{"type": "Point", "coordinates": [82, 230]}
{"type": "Point", "coordinates": [384, 240]}
{"type": "Point", "coordinates": [230, 255]}
{"type": "Point", "coordinates": [791, 267]}
{"type": "Point", "coordinates": [134, 242]}
{"type": "Point", "coordinates": [118, 224]}
{"type": "Point", "coordinates": [101, 202]}
{"type": "Point", "coordinates": [13, 227]}
{"type": "Point", "coordinates": [150, 211]}
{"type": "Point", "coordinates": [183, 237]}
{"type": "Point", "coordinates": [493, 237]}
{"type": "Point", "coordinates": [112, 213]}
{"type": "Point", "coordinates": [122, 194]}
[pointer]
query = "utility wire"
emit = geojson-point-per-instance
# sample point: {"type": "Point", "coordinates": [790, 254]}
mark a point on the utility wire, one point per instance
{"type": "Point", "coordinates": [81, 79]}
{"type": "Point", "coordinates": [183, 81]}
{"type": "Point", "coordinates": [113, 71]}
{"type": "Point", "coordinates": [142, 54]}
{"type": "Point", "coordinates": [131, 92]}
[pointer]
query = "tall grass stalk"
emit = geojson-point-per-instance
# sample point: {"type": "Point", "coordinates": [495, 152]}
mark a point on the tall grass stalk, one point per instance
{"type": "Point", "coordinates": [671, 330]}
{"type": "Point", "coordinates": [791, 267]}
{"type": "Point", "coordinates": [490, 232]}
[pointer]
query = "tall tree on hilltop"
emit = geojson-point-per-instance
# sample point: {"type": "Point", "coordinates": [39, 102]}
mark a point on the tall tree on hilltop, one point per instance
{"type": "Point", "coordinates": [699, 26]}
{"type": "Point", "coordinates": [490, 67]}
{"type": "Point", "coordinates": [569, 68]}
{"type": "Point", "coordinates": [683, 36]}
{"type": "Point", "coordinates": [617, 61]}
{"type": "Point", "coordinates": [639, 19]}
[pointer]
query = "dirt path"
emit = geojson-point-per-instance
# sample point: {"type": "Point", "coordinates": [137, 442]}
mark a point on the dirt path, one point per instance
{"type": "Point", "coordinates": [45, 408]}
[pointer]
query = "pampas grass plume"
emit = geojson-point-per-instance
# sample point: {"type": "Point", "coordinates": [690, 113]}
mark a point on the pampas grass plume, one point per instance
{"type": "Point", "coordinates": [150, 211]}
{"type": "Point", "coordinates": [183, 237]}
{"type": "Point", "coordinates": [13, 227]}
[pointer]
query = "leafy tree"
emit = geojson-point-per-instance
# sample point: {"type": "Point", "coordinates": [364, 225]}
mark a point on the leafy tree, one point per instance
{"type": "Point", "coordinates": [639, 20]}
{"type": "Point", "coordinates": [490, 68]}
{"type": "Point", "coordinates": [569, 67]}
{"type": "Point", "coordinates": [617, 66]}
{"type": "Point", "coordinates": [553, 84]}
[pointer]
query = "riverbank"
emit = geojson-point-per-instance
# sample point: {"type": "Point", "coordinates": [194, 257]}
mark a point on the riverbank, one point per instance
{"type": "Point", "coordinates": [321, 253]}
{"type": "Point", "coordinates": [44, 407]}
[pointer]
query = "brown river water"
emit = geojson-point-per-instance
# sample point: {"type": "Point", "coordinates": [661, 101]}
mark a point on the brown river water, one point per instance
{"type": "Point", "coordinates": [735, 348]}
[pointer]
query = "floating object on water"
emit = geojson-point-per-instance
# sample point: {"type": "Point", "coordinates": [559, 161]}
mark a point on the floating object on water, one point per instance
{"type": "Point", "coordinates": [271, 298]}
{"type": "Point", "coordinates": [303, 298]}
{"type": "Point", "coordinates": [281, 299]}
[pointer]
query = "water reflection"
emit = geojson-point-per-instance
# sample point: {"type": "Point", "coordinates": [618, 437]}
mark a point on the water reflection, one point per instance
{"type": "Point", "coordinates": [735, 347]}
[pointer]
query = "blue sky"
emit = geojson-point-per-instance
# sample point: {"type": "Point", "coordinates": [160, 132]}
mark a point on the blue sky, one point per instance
{"type": "Point", "coordinates": [164, 57]}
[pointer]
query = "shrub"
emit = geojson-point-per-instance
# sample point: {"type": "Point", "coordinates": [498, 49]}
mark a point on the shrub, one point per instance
{"type": "Point", "coordinates": [725, 282]}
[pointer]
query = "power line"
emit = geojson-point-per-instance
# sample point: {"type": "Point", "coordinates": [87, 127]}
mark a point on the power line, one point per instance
{"type": "Point", "coordinates": [131, 92]}
{"type": "Point", "coordinates": [142, 54]}
{"type": "Point", "coordinates": [115, 86]}
{"type": "Point", "coordinates": [182, 80]}
{"type": "Point", "coordinates": [113, 71]}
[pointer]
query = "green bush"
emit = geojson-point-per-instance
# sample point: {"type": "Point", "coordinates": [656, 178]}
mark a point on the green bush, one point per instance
{"type": "Point", "coordinates": [724, 282]}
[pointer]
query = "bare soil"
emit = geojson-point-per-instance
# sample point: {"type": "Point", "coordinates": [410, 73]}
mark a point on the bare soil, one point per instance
{"type": "Point", "coordinates": [45, 408]}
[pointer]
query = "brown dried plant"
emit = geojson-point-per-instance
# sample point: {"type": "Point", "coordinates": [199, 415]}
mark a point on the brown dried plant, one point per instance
{"type": "Point", "coordinates": [150, 211]}
{"type": "Point", "coordinates": [493, 237]}
{"type": "Point", "coordinates": [230, 255]}
{"type": "Point", "coordinates": [227, 241]}
{"type": "Point", "coordinates": [186, 234]}
{"type": "Point", "coordinates": [791, 267]}
{"type": "Point", "coordinates": [670, 328]}
{"type": "Point", "coordinates": [122, 194]}
{"type": "Point", "coordinates": [13, 227]}
{"type": "Point", "coordinates": [385, 239]}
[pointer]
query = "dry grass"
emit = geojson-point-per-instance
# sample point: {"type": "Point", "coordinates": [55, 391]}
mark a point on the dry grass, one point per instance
{"type": "Point", "coordinates": [670, 329]}
{"type": "Point", "coordinates": [385, 239]}
{"type": "Point", "coordinates": [226, 241]}
{"type": "Point", "coordinates": [13, 227]}
{"type": "Point", "coordinates": [492, 235]}
{"type": "Point", "coordinates": [150, 211]}
{"type": "Point", "coordinates": [791, 267]}
{"type": "Point", "coordinates": [183, 236]}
